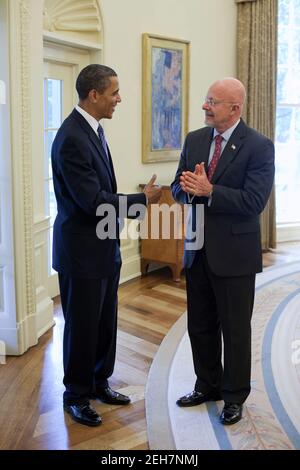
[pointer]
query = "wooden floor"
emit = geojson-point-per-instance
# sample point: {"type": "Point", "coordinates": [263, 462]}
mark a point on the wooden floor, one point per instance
{"type": "Point", "coordinates": [31, 415]}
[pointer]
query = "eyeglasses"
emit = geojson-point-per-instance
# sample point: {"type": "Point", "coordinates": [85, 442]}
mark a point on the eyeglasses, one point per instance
{"type": "Point", "coordinates": [211, 102]}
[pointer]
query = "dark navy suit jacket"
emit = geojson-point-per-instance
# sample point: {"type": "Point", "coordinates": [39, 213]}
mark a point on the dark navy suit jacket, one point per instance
{"type": "Point", "coordinates": [83, 179]}
{"type": "Point", "coordinates": [242, 183]}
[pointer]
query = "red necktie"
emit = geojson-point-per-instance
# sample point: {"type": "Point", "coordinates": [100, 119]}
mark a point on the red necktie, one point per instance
{"type": "Point", "coordinates": [215, 157]}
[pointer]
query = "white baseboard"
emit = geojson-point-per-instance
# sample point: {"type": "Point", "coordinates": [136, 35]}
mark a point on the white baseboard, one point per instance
{"type": "Point", "coordinates": [25, 335]}
{"type": "Point", "coordinates": [44, 316]}
{"type": "Point", "coordinates": [131, 268]}
{"type": "Point", "coordinates": [20, 338]}
{"type": "Point", "coordinates": [9, 341]}
{"type": "Point", "coordinates": [288, 233]}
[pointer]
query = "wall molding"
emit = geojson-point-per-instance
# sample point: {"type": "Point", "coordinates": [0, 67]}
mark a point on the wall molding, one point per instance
{"type": "Point", "coordinates": [25, 17]}
{"type": "Point", "coordinates": [57, 38]}
{"type": "Point", "coordinates": [41, 224]}
{"type": "Point", "coordinates": [66, 15]}
{"type": "Point", "coordinates": [20, 17]}
{"type": "Point", "coordinates": [73, 20]}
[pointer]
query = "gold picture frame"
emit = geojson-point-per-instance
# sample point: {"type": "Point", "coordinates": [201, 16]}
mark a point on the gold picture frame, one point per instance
{"type": "Point", "coordinates": [165, 97]}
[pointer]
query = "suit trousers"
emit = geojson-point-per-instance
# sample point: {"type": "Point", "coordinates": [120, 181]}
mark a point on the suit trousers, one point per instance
{"type": "Point", "coordinates": [220, 307]}
{"type": "Point", "coordinates": [89, 344]}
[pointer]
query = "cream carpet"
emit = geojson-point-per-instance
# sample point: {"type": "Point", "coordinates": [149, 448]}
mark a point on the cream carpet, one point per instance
{"type": "Point", "coordinates": [271, 417]}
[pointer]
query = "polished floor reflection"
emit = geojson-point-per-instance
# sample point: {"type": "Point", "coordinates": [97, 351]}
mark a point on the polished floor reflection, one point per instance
{"type": "Point", "coordinates": [31, 414]}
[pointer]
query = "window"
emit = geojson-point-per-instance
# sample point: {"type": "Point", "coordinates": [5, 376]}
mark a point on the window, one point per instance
{"type": "Point", "coordinates": [53, 119]}
{"type": "Point", "coordinates": [287, 138]}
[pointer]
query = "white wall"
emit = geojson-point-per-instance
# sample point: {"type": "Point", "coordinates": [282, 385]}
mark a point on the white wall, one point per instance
{"type": "Point", "coordinates": [37, 117]}
{"type": "Point", "coordinates": [209, 25]}
{"type": "Point", "coordinates": [8, 332]}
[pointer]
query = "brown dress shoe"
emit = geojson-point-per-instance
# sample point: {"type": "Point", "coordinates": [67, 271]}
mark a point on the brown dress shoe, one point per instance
{"type": "Point", "coordinates": [232, 413]}
{"type": "Point", "coordinates": [197, 398]}
{"type": "Point", "coordinates": [107, 395]}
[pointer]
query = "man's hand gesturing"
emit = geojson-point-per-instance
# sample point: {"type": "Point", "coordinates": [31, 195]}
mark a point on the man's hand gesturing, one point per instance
{"type": "Point", "coordinates": [152, 191]}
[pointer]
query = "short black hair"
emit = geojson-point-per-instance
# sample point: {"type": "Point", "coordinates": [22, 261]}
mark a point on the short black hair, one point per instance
{"type": "Point", "coordinates": [93, 77]}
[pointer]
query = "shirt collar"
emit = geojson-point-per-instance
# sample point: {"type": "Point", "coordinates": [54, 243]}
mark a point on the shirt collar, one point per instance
{"type": "Point", "coordinates": [90, 119]}
{"type": "Point", "coordinates": [227, 134]}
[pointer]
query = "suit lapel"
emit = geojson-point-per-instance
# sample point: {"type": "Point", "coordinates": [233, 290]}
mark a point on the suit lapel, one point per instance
{"type": "Point", "coordinates": [112, 171]}
{"type": "Point", "coordinates": [230, 151]}
{"type": "Point", "coordinates": [204, 150]}
{"type": "Point", "coordinates": [101, 150]}
{"type": "Point", "coordinates": [206, 147]}
{"type": "Point", "coordinates": [96, 142]}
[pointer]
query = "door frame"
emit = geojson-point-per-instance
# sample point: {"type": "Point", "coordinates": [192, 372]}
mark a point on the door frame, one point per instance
{"type": "Point", "coordinates": [77, 57]}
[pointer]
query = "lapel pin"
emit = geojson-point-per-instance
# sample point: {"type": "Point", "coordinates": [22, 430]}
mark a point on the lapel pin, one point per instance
{"type": "Point", "coordinates": [233, 147]}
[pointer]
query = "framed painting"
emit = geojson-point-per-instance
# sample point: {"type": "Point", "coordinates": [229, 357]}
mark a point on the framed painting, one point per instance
{"type": "Point", "coordinates": [165, 97]}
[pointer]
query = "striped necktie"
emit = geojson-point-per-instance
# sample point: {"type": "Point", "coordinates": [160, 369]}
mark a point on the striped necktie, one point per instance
{"type": "Point", "coordinates": [102, 140]}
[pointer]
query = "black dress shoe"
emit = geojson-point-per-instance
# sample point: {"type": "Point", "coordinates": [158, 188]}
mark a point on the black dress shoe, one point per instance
{"type": "Point", "coordinates": [83, 414]}
{"type": "Point", "coordinates": [107, 395]}
{"type": "Point", "coordinates": [196, 398]}
{"type": "Point", "coordinates": [232, 413]}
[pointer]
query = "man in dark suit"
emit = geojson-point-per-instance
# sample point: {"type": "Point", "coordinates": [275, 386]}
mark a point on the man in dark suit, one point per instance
{"type": "Point", "coordinates": [229, 169]}
{"type": "Point", "coordinates": [89, 265]}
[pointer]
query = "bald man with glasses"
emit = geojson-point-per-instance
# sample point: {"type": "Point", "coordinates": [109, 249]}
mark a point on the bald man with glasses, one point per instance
{"type": "Point", "coordinates": [229, 169]}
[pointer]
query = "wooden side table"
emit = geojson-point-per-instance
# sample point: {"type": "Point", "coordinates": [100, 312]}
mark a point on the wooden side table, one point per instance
{"type": "Point", "coordinates": [160, 250]}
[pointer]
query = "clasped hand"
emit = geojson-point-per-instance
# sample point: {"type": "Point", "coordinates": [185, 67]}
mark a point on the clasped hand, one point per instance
{"type": "Point", "coordinates": [196, 183]}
